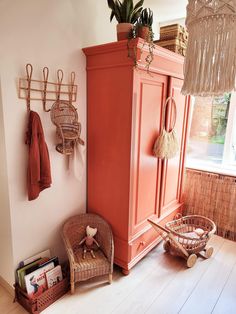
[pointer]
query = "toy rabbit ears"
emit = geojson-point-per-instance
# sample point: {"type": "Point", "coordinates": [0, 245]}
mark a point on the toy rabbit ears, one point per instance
{"type": "Point", "coordinates": [90, 230]}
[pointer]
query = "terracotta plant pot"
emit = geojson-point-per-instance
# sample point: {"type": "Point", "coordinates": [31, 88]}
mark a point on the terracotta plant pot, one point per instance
{"type": "Point", "coordinates": [144, 32]}
{"type": "Point", "coordinates": [124, 30]}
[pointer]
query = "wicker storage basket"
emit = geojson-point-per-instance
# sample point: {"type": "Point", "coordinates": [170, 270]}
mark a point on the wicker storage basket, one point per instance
{"type": "Point", "coordinates": [174, 31]}
{"type": "Point", "coordinates": [174, 45]}
{"type": "Point", "coordinates": [38, 304]}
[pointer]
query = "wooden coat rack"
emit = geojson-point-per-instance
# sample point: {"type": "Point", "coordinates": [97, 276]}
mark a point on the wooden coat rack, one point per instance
{"type": "Point", "coordinates": [63, 113]}
{"type": "Point", "coordinates": [44, 90]}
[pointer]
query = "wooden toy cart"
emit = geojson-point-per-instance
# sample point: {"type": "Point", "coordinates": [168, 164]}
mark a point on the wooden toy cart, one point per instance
{"type": "Point", "coordinates": [181, 237]}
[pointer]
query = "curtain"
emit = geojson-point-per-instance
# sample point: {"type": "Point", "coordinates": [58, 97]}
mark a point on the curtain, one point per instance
{"type": "Point", "coordinates": [213, 196]}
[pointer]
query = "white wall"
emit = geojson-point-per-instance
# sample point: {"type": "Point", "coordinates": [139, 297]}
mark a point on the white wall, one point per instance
{"type": "Point", "coordinates": [6, 263]}
{"type": "Point", "coordinates": [177, 21]}
{"type": "Point", "coordinates": [166, 10]}
{"type": "Point", "coordinates": [43, 33]}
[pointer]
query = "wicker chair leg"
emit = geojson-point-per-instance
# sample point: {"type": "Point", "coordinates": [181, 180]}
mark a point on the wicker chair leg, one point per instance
{"type": "Point", "coordinates": [72, 282]}
{"type": "Point", "coordinates": [72, 287]}
{"type": "Point", "coordinates": [110, 278]}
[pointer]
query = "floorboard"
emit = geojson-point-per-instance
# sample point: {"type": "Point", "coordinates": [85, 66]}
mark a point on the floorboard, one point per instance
{"type": "Point", "coordinates": [206, 293]}
{"type": "Point", "coordinates": [180, 288]}
{"type": "Point", "coordinates": [227, 300]}
{"type": "Point", "coordinates": [160, 284]}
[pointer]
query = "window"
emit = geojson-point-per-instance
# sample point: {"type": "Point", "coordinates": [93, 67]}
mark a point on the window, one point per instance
{"type": "Point", "coordinates": [212, 137]}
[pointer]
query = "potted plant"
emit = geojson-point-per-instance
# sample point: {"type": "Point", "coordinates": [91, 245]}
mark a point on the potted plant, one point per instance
{"type": "Point", "coordinates": [144, 30]}
{"type": "Point", "coordinates": [126, 14]}
{"type": "Point", "coordinates": [144, 25]}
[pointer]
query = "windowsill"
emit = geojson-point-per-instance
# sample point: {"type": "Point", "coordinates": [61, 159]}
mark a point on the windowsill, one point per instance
{"type": "Point", "coordinates": [204, 166]}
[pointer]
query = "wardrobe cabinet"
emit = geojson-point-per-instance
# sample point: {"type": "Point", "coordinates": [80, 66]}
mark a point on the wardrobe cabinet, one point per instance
{"type": "Point", "coordinates": [126, 184]}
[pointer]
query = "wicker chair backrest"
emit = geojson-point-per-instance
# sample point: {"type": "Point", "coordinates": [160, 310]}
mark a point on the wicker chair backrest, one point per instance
{"type": "Point", "coordinates": [63, 112]}
{"type": "Point", "coordinates": [74, 230]}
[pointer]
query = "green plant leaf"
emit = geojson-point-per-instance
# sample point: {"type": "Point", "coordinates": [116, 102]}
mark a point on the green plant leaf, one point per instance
{"type": "Point", "coordinates": [125, 11]}
{"type": "Point", "coordinates": [139, 4]}
{"type": "Point", "coordinates": [135, 15]}
{"type": "Point", "coordinates": [119, 4]}
{"type": "Point", "coordinates": [112, 15]}
{"type": "Point", "coordinates": [111, 4]}
{"type": "Point", "coordinates": [131, 5]}
{"type": "Point", "coordinates": [146, 17]}
{"type": "Point", "coordinates": [119, 12]}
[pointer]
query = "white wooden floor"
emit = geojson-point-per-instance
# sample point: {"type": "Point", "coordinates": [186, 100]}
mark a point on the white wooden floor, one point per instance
{"type": "Point", "coordinates": [158, 284]}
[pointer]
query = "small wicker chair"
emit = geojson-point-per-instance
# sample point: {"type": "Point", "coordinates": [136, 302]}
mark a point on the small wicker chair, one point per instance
{"type": "Point", "coordinates": [68, 129]}
{"type": "Point", "coordinates": [81, 268]}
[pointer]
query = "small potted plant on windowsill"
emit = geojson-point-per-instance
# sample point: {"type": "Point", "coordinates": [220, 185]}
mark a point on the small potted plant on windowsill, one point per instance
{"type": "Point", "coordinates": [126, 14]}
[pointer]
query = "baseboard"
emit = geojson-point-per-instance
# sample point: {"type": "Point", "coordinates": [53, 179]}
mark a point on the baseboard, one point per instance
{"type": "Point", "coordinates": [6, 286]}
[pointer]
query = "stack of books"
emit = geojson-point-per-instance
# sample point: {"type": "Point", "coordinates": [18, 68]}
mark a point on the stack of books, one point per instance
{"type": "Point", "coordinates": [38, 273]}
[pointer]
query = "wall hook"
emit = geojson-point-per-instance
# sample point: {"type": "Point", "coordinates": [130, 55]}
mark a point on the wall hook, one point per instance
{"type": "Point", "coordinates": [29, 71]}
{"type": "Point", "coordinates": [71, 86]}
{"type": "Point", "coordinates": [59, 82]}
{"type": "Point", "coordinates": [45, 91]}
{"type": "Point", "coordinates": [45, 80]}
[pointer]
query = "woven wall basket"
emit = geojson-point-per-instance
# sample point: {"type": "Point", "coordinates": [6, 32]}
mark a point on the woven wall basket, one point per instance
{"type": "Point", "coordinates": [210, 63]}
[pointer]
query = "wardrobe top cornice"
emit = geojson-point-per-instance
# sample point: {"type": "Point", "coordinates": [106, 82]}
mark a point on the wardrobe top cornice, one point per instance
{"type": "Point", "coordinates": [115, 54]}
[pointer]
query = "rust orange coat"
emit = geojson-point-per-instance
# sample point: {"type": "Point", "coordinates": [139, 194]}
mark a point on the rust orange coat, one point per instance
{"type": "Point", "coordinates": [39, 173]}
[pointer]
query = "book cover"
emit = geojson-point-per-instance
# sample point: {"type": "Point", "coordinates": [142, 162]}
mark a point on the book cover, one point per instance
{"type": "Point", "coordinates": [53, 259]}
{"type": "Point", "coordinates": [41, 262]}
{"type": "Point", "coordinates": [54, 276]}
{"type": "Point", "coordinates": [31, 259]}
{"type": "Point", "coordinates": [36, 281]}
{"type": "Point", "coordinates": [20, 272]}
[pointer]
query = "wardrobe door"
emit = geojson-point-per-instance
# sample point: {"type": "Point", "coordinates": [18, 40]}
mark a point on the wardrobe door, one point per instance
{"type": "Point", "coordinates": [149, 95]}
{"type": "Point", "coordinates": [172, 169]}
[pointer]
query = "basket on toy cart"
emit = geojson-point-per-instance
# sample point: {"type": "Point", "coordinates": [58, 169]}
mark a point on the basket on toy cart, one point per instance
{"type": "Point", "coordinates": [187, 237]}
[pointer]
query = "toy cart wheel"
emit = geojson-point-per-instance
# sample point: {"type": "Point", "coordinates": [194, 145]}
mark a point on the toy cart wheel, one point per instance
{"type": "Point", "coordinates": [191, 260]}
{"type": "Point", "coordinates": [208, 252]}
{"type": "Point", "coordinates": [166, 246]}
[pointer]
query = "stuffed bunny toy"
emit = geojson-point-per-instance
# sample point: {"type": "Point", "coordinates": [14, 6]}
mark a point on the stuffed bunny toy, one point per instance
{"type": "Point", "coordinates": [90, 244]}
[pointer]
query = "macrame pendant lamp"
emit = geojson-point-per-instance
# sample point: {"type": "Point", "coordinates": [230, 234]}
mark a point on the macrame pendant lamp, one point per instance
{"type": "Point", "coordinates": [210, 63]}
